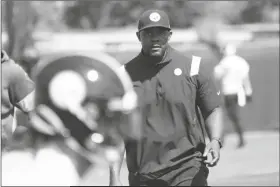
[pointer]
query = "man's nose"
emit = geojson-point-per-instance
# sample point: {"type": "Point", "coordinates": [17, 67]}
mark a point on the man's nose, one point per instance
{"type": "Point", "coordinates": [155, 39]}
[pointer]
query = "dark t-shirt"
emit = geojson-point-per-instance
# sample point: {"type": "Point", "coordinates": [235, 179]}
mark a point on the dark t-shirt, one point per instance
{"type": "Point", "coordinates": [171, 94]}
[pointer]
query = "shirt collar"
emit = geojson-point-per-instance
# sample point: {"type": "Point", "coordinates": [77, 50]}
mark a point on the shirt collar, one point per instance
{"type": "Point", "coordinates": [148, 60]}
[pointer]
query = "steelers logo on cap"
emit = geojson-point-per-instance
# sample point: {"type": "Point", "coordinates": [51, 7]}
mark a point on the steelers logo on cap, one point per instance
{"type": "Point", "coordinates": [155, 17]}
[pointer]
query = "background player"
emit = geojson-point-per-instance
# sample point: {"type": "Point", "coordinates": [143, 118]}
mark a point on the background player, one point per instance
{"type": "Point", "coordinates": [232, 73]}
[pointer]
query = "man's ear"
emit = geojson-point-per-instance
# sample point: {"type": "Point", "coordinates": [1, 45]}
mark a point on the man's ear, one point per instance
{"type": "Point", "coordinates": [138, 36]}
{"type": "Point", "coordinates": [170, 34]}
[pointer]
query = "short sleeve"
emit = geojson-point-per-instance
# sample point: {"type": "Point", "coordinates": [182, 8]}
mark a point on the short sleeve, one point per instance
{"type": "Point", "coordinates": [208, 97]}
{"type": "Point", "coordinates": [20, 84]}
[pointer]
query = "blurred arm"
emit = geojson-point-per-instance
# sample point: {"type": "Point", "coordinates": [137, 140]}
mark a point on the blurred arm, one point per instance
{"type": "Point", "coordinates": [24, 106]}
{"type": "Point", "coordinates": [21, 88]}
{"type": "Point", "coordinates": [247, 86]}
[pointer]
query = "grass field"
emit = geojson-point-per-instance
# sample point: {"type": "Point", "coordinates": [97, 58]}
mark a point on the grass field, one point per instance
{"type": "Point", "coordinates": [256, 164]}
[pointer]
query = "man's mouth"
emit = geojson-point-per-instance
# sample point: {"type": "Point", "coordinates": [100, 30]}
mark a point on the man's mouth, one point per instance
{"type": "Point", "coordinates": [156, 47]}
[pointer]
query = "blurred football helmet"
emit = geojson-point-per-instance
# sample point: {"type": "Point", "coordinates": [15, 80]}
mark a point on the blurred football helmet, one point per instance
{"type": "Point", "coordinates": [92, 96]}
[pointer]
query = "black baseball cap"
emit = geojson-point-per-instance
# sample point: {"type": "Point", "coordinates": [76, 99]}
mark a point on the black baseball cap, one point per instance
{"type": "Point", "coordinates": [153, 18]}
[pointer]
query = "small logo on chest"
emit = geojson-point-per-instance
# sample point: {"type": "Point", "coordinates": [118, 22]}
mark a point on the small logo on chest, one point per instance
{"type": "Point", "coordinates": [177, 71]}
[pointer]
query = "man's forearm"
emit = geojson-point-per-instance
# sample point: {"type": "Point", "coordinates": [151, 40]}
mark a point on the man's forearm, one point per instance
{"type": "Point", "coordinates": [214, 123]}
{"type": "Point", "coordinates": [247, 86]}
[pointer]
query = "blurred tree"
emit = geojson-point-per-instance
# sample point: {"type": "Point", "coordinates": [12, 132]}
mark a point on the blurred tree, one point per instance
{"type": "Point", "coordinates": [100, 14]}
{"type": "Point", "coordinates": [105, 14]}
{"type": "Point", "coordinates": [83, 14]}
{"type": "Point", "coordinates": [261, 11]}
{"type": "Point", "coordinates": [20, 20]}
{"type": "Point", "coordinates": [50, 15]}
{"type": "Point", "coordinates": [252, 12]}
{"type": "Point", "coordinates": [270, 13]}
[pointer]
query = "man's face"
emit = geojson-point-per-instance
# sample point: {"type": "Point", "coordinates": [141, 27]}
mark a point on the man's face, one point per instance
{"type": "Point", "coordinates": [154, 40]}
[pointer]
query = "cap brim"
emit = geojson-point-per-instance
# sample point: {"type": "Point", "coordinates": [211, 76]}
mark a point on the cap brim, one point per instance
{"type": "Point", "coordinates": [151, 26]}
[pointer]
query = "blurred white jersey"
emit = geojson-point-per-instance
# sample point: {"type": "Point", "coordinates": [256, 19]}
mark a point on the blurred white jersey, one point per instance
{"type": "Point", "coordinates": [231, 71]}
{"type": "Point", "coordinates": [48, 167]}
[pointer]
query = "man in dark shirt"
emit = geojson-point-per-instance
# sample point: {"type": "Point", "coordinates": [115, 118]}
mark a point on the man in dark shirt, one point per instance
{"type": "Point", "coordinates": [173, 91]}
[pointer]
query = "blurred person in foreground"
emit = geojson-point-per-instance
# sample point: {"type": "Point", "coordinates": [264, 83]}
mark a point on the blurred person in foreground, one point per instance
{"type": "Point", "coordinates": [17, 96]}
{"type": "Point", "coordinates": [172, 88]}
{"type": "Point", "coordinates": [85, 107]}
{"type": "Point", "coordinates": [232, 74]}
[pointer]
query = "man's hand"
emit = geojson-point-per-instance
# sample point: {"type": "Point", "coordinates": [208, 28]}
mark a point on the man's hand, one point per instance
{"type": "Point", "coordinates": [212, 152]}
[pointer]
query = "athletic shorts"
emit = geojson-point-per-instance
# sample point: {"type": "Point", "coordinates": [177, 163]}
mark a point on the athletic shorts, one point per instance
{"type": "Point", "coordinates": [192, 173]}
